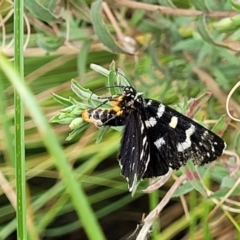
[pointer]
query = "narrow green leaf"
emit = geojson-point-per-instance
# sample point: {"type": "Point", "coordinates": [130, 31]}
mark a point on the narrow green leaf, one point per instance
{"type": "Point", "coordinates": [64, 101]}
{"type": "Point", "coordinates": [199, 5]}
{"type": "Point", "coordinates": [235, 4]}
{"type": "Point", "coordinates": [81, 9]}
{"type": "Point", "coordinates": [220, 77]}
{"type": "Point", "coordinates": [228, 24]}
{"type": "Point", "coordinates": [212, 6]}
{"type": "Point", "coordinates": [76, 122]}
{"type": "Point", "coordinates": [222, 192]}
{"type": "Point", "coordinates": [52, 6]}
{"type": "Point", "coordinates": [101, 29]}
{"type": "Point", "coordinates": [228, 182]}
{"type": "Point", "coordinates": [188, 44]}
{"type": "Point", "coordinates": [112, 79]}
{"type": "Point", "coordinates": [102, 132]}
{"type": "Point", "coordinates": [167, 3]}
{"type": "Point", "coordinates": [221, 125]}
{"type": "Point", "coordinates": [38, 11]}
{"type": "Point", "coordinates": [197, 104]}
{"type": "Point", "coordinates": [49, 43]}
{"type": "Point", "coordinates": [83, 93]}
{"type": "Point", "coordinates": [82, 59]}
{"type": "Point", "coordinates": [203, 31]}
{"type": "Point", "coordinates": [76, 132]}
{"type": "Point", "coordinates": [183, 189]}
{"type": "Point", "coordinates": [59, 120]}
{"type": "Point", "coordinates": [194, 177]}
{"type": "Point", "coordinates": [99, 69]}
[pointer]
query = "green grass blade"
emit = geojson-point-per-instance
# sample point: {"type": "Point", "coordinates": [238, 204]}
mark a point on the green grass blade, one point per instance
{"type": "Point", "coordinates": [19, 124]}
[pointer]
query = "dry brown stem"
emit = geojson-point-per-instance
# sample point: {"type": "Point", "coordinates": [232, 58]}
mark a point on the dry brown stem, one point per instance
{"type": "Point", "coordinates": [172, 11]}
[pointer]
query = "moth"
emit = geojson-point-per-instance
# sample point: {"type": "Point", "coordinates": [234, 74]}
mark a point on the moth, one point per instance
{"type": "Point", "coordinates": [155, 137]}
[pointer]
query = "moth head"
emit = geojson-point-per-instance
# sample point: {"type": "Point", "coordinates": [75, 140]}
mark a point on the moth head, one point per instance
{"type": "Point", "coordinates": [131, 92]}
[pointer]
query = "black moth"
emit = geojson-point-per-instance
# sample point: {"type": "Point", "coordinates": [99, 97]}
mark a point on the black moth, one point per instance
{"type": "Point", "coordinates": [155, 137]}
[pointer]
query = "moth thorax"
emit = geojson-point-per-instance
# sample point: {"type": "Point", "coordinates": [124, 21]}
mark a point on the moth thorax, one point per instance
{"type": "Point", "coordinates": [129, 102]}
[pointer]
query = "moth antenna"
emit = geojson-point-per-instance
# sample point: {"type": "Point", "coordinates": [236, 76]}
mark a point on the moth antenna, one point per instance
{"type": "Point", "coordinates": [120, 86]}
{"type": "Point", "coordinates": [124, 77]}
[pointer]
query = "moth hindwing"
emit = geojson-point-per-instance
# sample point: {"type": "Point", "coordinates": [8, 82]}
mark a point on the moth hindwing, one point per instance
{"type": "Point", "coordinates": [155, 136]}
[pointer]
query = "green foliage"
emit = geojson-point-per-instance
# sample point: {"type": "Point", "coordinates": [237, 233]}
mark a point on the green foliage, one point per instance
{"type": "Point", "coordinates": [170, 55]}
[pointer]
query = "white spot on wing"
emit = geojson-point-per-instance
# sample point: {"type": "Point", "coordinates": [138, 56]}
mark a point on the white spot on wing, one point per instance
{"type": "Point", "coordinates": [174, 122]}
{"type": "Point", "coordinates": [144, 140]}
{"type": "Point", "coordinates": [120, 164]}
{"type": "Point", "coordinates": [187, 143]}
{"type": "Point", "coordinates": [134, 183]}
{"type": "Point", "coordinates": [159, 142]}
{"type": "Point", "coordinates": [148, 125]}
{"type": "Point", "coordinates": [161, 110]}
{"type": "Point", "coordinates": [149, 103]}
{"type": "Point", "coordinates": [151, 122]}
{"type": "Point", "coordinates": [146, 165]}
{"type": "Point", "coordinates": [133, 166]}
{"type": "Point", "coordinates": [142, 153]}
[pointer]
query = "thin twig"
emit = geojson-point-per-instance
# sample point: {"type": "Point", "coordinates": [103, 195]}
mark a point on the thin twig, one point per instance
{"type": "Point", "coordinates": [148, 221]}
{"type": "Point", "coordinates": [237, 160]}
{"type": "Point", "coordinates": [237, 85]}
{"type": "Point", "coordinates": [220, 203]}
{"type": "Point", "coordinates": [172, 11]}
{"type": "Point", "coordinates": [112, 20]}
{"type": "Point", "coordinates": [160, 182]}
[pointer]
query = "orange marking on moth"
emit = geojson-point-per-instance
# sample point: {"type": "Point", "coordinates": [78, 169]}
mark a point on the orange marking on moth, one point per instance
{"type": "Point", "coordinates": [85, 115]}
{"type": "Point", "coordinates": [115, 104]}
{"type": "Point", "coordinates": [88, 118]}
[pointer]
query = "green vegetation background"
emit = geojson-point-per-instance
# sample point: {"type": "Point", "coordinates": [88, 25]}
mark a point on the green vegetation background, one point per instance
{"type": "Point", "coordinates": [170, 50]}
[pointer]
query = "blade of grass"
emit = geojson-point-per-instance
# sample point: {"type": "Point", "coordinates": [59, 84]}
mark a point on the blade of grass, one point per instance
{"type": "Point", "coordinates": [6, 123]}
{"type": "Point", "coordinates": [19, 124]}
{"type": "Point", "coordinates": [74, 188]}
